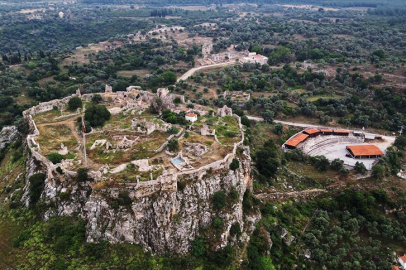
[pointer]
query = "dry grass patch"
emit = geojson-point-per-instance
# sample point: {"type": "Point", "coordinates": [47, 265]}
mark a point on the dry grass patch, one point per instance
{"type": "Point", "coordinates": [51, 138]}
{"type": "Point", "coordinates": [46, 117]}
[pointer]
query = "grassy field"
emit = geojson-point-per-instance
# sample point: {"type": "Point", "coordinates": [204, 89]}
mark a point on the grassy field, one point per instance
{"type": "Point", "coordinates": [51, 138]}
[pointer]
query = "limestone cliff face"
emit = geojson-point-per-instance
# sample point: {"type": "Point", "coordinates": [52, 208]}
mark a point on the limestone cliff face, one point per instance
{"type": "Point", "coordinates": [163, 220]}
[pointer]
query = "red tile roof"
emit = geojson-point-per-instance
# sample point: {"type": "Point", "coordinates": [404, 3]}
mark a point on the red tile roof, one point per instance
{"type": "Point", "coordinates": [297, 139]}
{"type": "Point", "coordinates": [341, 131]}
{"type": "Point", "coordinates": [394, 267]}
{"type": "Point", "coordinates": [312, 131]}
{"type": "Point", "coordinates": [403, 258]}
{"type": "Point", "coordinates": [191, 114]}
{"type": "Point", "coordinates": [326, 130]}
{"type": "Point", "coordinates": [366, 150]}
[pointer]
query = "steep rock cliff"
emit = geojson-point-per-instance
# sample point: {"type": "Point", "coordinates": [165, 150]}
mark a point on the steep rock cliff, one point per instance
{"type": "Point", "coordinates": [166, 220]}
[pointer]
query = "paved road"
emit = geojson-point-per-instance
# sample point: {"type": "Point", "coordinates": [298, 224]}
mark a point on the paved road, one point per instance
{"type": "Point", "coordinates": [190, 72]}
{"type": "Point", "coordinates": [256, 118]}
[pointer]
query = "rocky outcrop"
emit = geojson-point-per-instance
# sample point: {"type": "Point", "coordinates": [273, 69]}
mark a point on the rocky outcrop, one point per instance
{"type": "Point", "coordinates": [163, 219]}
{"type": "Point", "coordinates": [8, 135]}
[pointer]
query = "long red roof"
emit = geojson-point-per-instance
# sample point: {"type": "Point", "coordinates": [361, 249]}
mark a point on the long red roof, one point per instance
{"type": "Point", "coordinates": [365, 150]}
{"type": "Point", "coordinates": [341, 131]}
{"type": "Point", "coordinates": [297, 139]}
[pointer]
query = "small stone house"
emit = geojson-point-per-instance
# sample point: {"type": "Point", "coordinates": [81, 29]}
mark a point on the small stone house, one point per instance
{"type": "Point", "coordinates": [191, 117]}
{"type": "Point", "coordinates": [402, 261]}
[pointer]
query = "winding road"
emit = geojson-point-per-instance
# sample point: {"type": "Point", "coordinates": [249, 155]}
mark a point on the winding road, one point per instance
{"type": "Point", "coordinates": [192, 71]}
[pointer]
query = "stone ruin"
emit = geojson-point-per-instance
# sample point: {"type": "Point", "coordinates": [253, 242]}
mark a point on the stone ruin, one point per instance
{"type": "Point", "coordinates": [142, 126]}
{"type": "Point", "coordinates": [133, 87]}
{"type": "Point", "coordinates": [196, 149]}
{"type": "Point", "coordinates": [108, 89]}
{"type": "Point", "coordinates": [168, 98]}
{"type": "Point", "coordinates": [225, 111]}
{"type": "Point", "coordinates": [124, 143]}
{"type": "Point", "coordinates": [207, 131]}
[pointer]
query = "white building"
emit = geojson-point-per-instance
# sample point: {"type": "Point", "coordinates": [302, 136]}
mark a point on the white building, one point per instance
{"type": "Point", "coordinates": [254, 58]}
{"type": "Point", "coordinates": [60, 14]}
{"type": "Point", "coordinates": [191, 117]}
{"type": "Point", "coordinates": [402, 261]}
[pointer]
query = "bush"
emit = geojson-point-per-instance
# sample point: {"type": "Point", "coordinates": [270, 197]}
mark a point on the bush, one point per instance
{"type": "Point", "coordinates": [218, 223]}
{"type": "Point", "coordinates": [360, 168]}
{"type": "Point", "coordinates": [173, 145]}
{"type": "Point", "coordinates": [74, 103]}
{"type": "Point", "coordinates": [235, 229]}
{"type": "Point", "coordinates": [172, 130]}
{"type": "Point", "coordinates": [37, 183]}
{"type": "Point", "coordinates": [124, 198]}
{"type": "Point", "coordinates": [82, 174]}
{"type": "Point", "coordinates": [321, 163]}
{"type": "Point", "coordinates": [337, 164]}
{"type": "Point", "coordinates": [55, 158]}
{"type": "Point", "coordinates": [96, 99]}
{"type": "Point", "coordinates": [378, 171]}
{"type": "Point", "coordinates": [233, 195]}
{"type": "Point", "coordinates": [59, 170]}
{"type": "Point", "coordinates": [198, 249]}
{"type": "Point", "coordinates": [235, 164]}
{"type": "Point", "coordinates": [245, 121]}
{"type": "Point", "coordinates": [219, 200]}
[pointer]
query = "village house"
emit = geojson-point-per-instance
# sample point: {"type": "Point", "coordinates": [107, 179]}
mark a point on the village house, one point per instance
{"type": "Point", "coordinates": [191, 117]}
{"type": "Point", "coordinates": [253, 57]}
{"type": "Point", "coordinates": [402, 261]}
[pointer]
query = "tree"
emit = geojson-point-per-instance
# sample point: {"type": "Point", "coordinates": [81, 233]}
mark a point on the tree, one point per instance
{"type": "Point", "coordinates": [400, 142]}
{"type": "Point", "coordinates": [74, 103]}
{"type": "Point", "coordinates": [55, 158]}
{"type": "Point", "coordinates": [321, 163]}
{"type": "Point", "coordinates": [245, 121]}
{"type": "Point", "coordinates": [96, 115]}
{"type": "Point", "coordinates": [82, 174]}
{"type": "Point", "coordinates": [96, 99]}
{"type": "Point", "coordinates": [219, 200]}
{"type": "Point", "coordinates": [168, 77]}
{"type": "Point", "coordinates": [266, 159]}
{"type": "Point", "coordinates": [173, 145]}
{"type": "Point", "coordinates": [337, 164]}
{"type": "Point", "coordinates": [268, 116]}
{"type": "Point", "coordinates": [278, 129]}
{"type": "Point", "coordinates": [378, 171]}
{"type": "Point", "coordinates": [360, 168]}
{"type": "Point", "coordinates": [235, 164]}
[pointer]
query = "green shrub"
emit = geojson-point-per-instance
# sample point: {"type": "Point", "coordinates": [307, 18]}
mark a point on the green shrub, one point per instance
{"type": "Point", "coordinates": [59, 170]}
{"type": "Point", "coordinates": [74, 103]}
{"type": "Point", "coordinates": [198, 249]}
{"type": "Point", "coordinates": [173, 145]}
{"type": "Point", "coordinates": [235, 164]}
{"type": "Point", "coordinates": [218, 223]}
{"type": "Point", "coordinates": [235, 229]}
{"type": "Point", "coordinates": [219, 200]}
{"type": "Point", "coordinates": [55, 158]}
{"type": "Point", "coordinates": [82, 174]}
{"type": "Point", "coordinates": [124, 198]}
